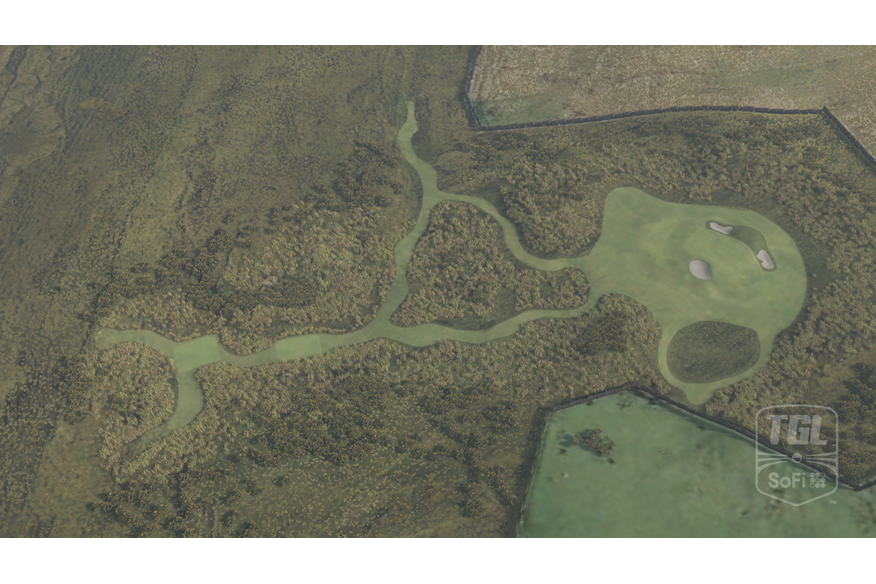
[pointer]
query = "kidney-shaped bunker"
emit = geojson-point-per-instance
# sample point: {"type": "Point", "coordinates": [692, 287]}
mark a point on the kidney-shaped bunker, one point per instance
{"type": "Point", "coordinates": [765, 260]}
{"type": "Point", "coordinates": [700, 269]}
{"type": "Point", "coordinates": [720, 228]}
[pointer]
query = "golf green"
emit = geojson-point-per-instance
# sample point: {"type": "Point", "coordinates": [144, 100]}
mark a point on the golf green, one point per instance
{"type": "Point", "coordinates": [645, 252]}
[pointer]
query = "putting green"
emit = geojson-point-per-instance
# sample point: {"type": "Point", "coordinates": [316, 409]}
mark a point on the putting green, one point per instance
{"type": "Point", "coordinates": [643, 252]}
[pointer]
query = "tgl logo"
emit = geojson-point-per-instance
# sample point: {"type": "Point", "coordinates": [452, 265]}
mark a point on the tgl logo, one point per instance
{"type": "Point", "coordinates": [787, 479]}
{"type": "Point", "coordinates": [796, 434]}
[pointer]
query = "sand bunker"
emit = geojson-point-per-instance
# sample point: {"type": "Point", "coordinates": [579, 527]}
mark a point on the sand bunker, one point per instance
{"type": "Point", "coordinates": [700, 269]}
{"type": "Point", "coordinates": [765, 260]}
{"type": "Point", "coordinates": [716, 227]}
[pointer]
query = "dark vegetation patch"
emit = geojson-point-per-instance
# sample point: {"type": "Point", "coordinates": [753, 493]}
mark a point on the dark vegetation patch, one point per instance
{"type": "Point", "coordinates": [607, 334]}
{"type": "Point", "coordinates": [338, 426]}
{"type": "Point", "coordinates": [365, 180]}
{"type": "Point", "coordinates": [463, 275]}
{"type": "Point", "coordinates": [856, 415]}
{"type": "Point", "coordinates": [707, 351]}
{"type": "Point", "coordinates": [198, 272]}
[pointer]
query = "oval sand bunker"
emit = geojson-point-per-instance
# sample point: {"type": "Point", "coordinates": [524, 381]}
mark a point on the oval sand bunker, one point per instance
{"type": "Point", "coordinates": [700, 269]}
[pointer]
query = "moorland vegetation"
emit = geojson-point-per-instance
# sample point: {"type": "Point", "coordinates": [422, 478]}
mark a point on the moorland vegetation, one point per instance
{"type": "Point", "coordinates": [268, 241]}
{"type": "Point", "coordinates": [463, 275]}
{"type": "Point", "coordinates": [334, 437]}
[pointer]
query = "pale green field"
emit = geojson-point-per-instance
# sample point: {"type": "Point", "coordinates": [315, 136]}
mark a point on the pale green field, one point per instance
{"type": "Point", "coordinates": [674, 475]}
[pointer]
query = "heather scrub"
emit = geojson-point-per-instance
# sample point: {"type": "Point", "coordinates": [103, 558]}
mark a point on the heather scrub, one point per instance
{"type": "Point", "coordinates": [461, 267]}
{"type": "Point", "coordinates": [350, 262]}
{"type": "Point", "coordinates": [132, 395]}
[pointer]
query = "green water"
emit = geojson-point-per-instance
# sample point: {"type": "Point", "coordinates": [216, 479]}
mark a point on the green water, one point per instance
{"type": "Point", "coordinates": [673, 475]}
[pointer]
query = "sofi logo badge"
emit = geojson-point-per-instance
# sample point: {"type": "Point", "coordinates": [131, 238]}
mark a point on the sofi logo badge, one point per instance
{"type": "Point", "coordinates": [811, 433]}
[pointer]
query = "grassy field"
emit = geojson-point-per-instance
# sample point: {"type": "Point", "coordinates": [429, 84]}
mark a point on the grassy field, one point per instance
{"type": "Point", "coordinates": [670, 474]}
